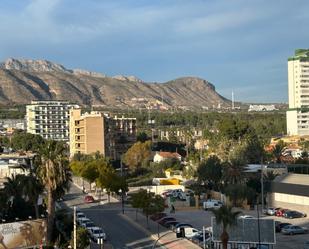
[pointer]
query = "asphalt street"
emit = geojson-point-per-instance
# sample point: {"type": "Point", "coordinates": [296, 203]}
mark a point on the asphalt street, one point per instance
{"type": "Point", "coordinates": [121, 233]}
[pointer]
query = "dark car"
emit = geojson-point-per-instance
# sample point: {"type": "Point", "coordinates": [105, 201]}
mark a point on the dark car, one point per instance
{"type": "Point", "coordinates": [199, 238]}
{"type": "Point", "coordinates": [183, 225]}
{"type": "Point", "coordinates": [158, 216]}
{"type": "Point", "coordinates": [293, 214]}
{"type": "Point", "coordinates": [163, 220]}
{"type": "Point", "coordinates": [280, 225]}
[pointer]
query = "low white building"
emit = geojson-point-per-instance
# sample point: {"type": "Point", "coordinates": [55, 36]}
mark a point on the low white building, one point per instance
{"type": "Point", "coordinates": [261, 108]}
{"type": "Point", "coordinates": [162, 156]}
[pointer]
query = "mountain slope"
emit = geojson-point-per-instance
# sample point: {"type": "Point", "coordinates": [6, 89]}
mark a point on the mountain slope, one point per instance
{"type": "Point", "coordinates": [24, 80]}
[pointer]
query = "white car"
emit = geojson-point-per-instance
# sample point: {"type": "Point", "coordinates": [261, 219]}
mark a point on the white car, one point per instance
{"type": "Point", "coordinates": [189, 231]}
{"type": "Point", "coordinates": [246, 217]}
{"type": "Point", "coordinates": [271, 211]}
{"type": "Point", "coordinates": [214, 204]}
{"type": "Point", "coordinates": [97, 233]}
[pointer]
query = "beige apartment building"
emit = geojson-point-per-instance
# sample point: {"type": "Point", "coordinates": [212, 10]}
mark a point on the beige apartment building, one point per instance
{"type": "Point", "coordinates": [298, 80]}
{"type": "Point", "coordinates": [95, 131]}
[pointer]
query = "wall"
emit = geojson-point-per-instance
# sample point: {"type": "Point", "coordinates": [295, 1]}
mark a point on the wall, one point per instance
{"type": "Point", "coordinates": [294, 202]}
{"type": "Point", "coordinates": [157, 189]}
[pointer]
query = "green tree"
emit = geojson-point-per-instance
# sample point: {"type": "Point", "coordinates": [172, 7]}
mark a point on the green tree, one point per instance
{"type": "Point", "coordinates": [148, 202]}
{"type": "Point", "coordinates": [54, 174]}
{"type": "Point", "coordinates": [106, 176]}
{"type": "Point", "coordinates": [227, 218]}
{"type": "Point", "coordinates": [82, 238]}
{"type": "Point", "coordinates": [210, 171]}
{"type": "Point", "coordinates": [90, 170]}
{"type": "Point", "coordinates": [26, 141]}
{"type": "Point", "coordinates": [138, 155]}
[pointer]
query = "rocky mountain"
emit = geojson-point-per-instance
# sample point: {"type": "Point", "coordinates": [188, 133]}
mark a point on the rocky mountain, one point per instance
{"type": "Point", "coordinates": [24, 80]}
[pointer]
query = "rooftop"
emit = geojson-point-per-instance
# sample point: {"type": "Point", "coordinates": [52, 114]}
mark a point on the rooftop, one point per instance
{"type": "Point", "coordinates": [299, 179]}
{"type": "Point", "coordinates": [300, 54]}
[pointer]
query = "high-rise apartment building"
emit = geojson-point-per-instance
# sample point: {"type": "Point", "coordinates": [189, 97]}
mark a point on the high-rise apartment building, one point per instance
{"type": "Point", "coordinates": [95, 131]}
{"type": "Point", "coordinates": [298, 77]}
{"type": "Point", "coordinates": [50, 119]}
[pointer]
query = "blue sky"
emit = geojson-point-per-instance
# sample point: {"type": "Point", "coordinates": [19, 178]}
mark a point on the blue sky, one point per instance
{"type": "Point", "coordinates": [237, 45]}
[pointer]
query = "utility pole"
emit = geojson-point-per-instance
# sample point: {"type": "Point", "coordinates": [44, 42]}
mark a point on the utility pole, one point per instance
{"type": "Point", "coordinates": [262, 182]}
{"type": "Point", "coordinates": [75, 239]}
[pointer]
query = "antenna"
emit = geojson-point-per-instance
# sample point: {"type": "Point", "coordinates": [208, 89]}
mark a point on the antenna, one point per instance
{"type": "Point", "coordinates": [233, 100]}
{"type": "Point", "coordinates": [162, 100]}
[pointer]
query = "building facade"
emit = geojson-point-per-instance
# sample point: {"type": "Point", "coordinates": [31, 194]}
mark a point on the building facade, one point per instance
{"type": "Point", "coordinates": [290, 191]}
{"type": "Point", "coordinates": [98, 132]}
{"type": "Point", "coordinates": [50, 119]}
{"type": "Point", "coordinates": [298, 81]}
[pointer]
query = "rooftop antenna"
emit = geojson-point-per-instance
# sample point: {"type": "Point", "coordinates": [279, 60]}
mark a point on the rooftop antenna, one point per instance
{"type": "Point", "coordinates": [233, 100]}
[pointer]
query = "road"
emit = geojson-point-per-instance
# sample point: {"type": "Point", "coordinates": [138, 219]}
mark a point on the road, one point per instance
{"type": "Point", "coordinates": [121, 233]}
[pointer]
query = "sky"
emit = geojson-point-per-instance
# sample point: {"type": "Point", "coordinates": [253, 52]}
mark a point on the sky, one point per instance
{"type": "Point", "coordinates": [237, 45]}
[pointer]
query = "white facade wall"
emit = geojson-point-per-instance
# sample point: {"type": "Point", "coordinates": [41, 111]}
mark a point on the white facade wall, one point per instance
{"type": "Point", "coordinates": [49, 119]}
{"type": "Point", "coordinates": [298, 89]}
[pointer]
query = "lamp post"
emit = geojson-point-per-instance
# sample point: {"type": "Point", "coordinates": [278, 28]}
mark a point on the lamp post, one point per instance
{"type": "Point", "coordinates": [122, 201]}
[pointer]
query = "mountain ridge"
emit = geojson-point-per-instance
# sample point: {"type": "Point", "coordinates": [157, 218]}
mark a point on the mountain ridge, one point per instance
{"type": "Point", "coordinates": [24, 80]}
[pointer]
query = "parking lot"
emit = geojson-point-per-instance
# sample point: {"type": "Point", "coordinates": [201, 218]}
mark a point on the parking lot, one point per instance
{"type": "Point", "coordinates": [200, 218]}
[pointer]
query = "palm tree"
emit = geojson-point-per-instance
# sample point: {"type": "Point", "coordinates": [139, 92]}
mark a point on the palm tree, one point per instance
{"type": "Point", "coordinates": [277, 151]}
{"type": "Point", "coordinates": [31, 190]}
{"type": "Point", "coordinates": [233, 172]}
{"type": "Point", "coordinates": [12, 187]}
{"type": "Point", "coordinates": [227, 217]}
{"type": "Point", "coordinates": [55, 175]}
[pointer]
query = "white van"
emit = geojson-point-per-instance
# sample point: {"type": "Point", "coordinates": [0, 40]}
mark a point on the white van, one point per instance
{"type": "Point", "coordinates": [215, 204]}
{"type": "Point", "coordinates": [190, 232]}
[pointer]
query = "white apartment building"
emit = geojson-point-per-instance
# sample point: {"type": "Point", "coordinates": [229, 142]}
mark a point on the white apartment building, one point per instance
{"type": "Point", "coordinates": [50, 119]}
{"type": "Point", "coordinates": [297, 115]}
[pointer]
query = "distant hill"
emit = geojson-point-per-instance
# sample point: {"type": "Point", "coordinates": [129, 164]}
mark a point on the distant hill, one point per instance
{"type": "Point", "coordinates": [24, 80]}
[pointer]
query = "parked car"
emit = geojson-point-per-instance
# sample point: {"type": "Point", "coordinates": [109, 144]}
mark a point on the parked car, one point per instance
{"type": "Point", "coordinates": [163, 220]}
{"type": "Point", "coordinates": [88, 225]}
{"type": "Point", "coordinates": [280, 212]}
{"type": "Point", "coordinates": [81, 221]}
{"type": "Point", "coordinates": [271, 211]}
{"type": "Point", "coordinates": [245, 217]}
{"type": "Point", "coordinates": [97, 233]}
{"type": "Point", "coordinates": [291, 230]}
{"type": "Point", "coordinates": [183, 225]}
{"type": "Point", "coordinates": [79, 216]}
{"type": "Point", "coordinates": [189, 231]}
{"type": "Point", "coordinates": [158, 216]}
{"type": "Point", "coordinates": [88, 199]}
{"type": "Point", "coordinates": [293, 214]}
{"type": "Point", "coordinates": [178, 193]}
{"type": "Point", "coordinates": [214, 204]}
{"type": "Point", "coordinates": [166, 193]}
{"type": "Point", "coordinates": [280, 225]}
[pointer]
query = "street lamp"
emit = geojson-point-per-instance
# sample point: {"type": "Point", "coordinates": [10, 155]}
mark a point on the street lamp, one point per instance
{"type": "Point", "coordinates": [122, 201]}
